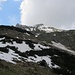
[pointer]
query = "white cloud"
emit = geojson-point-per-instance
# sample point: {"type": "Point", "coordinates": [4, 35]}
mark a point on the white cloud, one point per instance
{"type": "Point", "coordinates": [25, 6]}
{"type": "Point", "coordinates": [57, 13]}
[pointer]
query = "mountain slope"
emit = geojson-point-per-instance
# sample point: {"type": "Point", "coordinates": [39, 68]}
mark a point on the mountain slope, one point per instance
{"type": "Point", "coordinates": [25, 68]}
{"type": "Point", "coordinates": [40, 27]}
{"type": "Point", "coordinates": [49, 34]}
{"type": "Point", "coordinates": [18, 45]}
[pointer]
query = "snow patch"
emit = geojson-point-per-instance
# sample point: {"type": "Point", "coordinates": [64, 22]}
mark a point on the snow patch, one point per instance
{"type": "Point", "coordinates": [2, 38]}
{"type": "Point", "coordinates": [40, 47]}
{"type": "Point", "coordinates": [54, 34]}
{"type": "Point", "coordinates": [27, 29]}
{"type": "Point", "coordinates": [37, 35]}
{"type": "Point", "coordinates": [27, 34]}
{"type": "Point", "coordinates": [31, 29]}
{"type": "Point", "coordinates": [21, 47]}
{"type": "Point", "coordinates": [64, 48]}
{"type": "Point", "coordinates": [9, 56]}
{"type": "Point", "coordinates": [48, 29]}
{"type": "Point", "coordinates": [40, 58]}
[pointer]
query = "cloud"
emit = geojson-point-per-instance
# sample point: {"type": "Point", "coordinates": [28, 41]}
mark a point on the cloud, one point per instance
{"type": "Point", "coordinates": [56, 13]}
{"type": "Point", "coordinates": [25, 6]}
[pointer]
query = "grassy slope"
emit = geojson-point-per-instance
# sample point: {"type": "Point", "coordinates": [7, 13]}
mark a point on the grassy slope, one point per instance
{"type": "Point", "coordinates": [23, 69]}
{"type": "Point", "coordinates": [15, 32]}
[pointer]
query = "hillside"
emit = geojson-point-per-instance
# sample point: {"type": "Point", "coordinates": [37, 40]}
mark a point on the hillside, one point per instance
{"type": "Point", "coordinates": [42, 32]}
{"type": "Point", "coordinates": [19, 46]}
{"type": "Point", "coordinates": [25, 68]}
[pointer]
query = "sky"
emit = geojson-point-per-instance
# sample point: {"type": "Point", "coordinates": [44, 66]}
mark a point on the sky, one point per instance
{"type": "Point", "coordinates": [53, 13]}
{"type": "Point", "coordinates": [9, 12]}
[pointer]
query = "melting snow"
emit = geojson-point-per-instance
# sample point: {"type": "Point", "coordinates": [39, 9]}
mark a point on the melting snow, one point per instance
{"type": "Point", "coordinates": [31, 29]}
{"type": "Point", "coordinates": [9, 56]}
{"type": "Point", "coordinates": [48, 29]}
{"type": "Point", "coordinates": [21, 47]}
{"type": "Point", "coordinates": [27, 34]}
{"type": "Point", "coordinates": [27, 29]}
{"type": "Point", "coordinates": [40, 58]}
{"type": "Point", "coordinates": [61, 46]}
{"type": "Point", "coordinates": [2, 38]}
{"type": "Point", "coordinates": [39, 47]}
{"type": "Point", "coordinates": [54, 34]}
{"type": "Point", "coordinates": [24, 47]}
{"type": "Point", "coordinates": [37, 35]}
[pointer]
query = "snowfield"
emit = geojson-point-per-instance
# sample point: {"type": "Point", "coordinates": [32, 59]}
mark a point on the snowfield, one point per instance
{"type": "Point", "coordinates": [24, 46]}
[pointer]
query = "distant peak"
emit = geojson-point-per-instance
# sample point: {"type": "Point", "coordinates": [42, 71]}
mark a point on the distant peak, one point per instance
{"type": "Point", "coordinates": [38, 25]}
